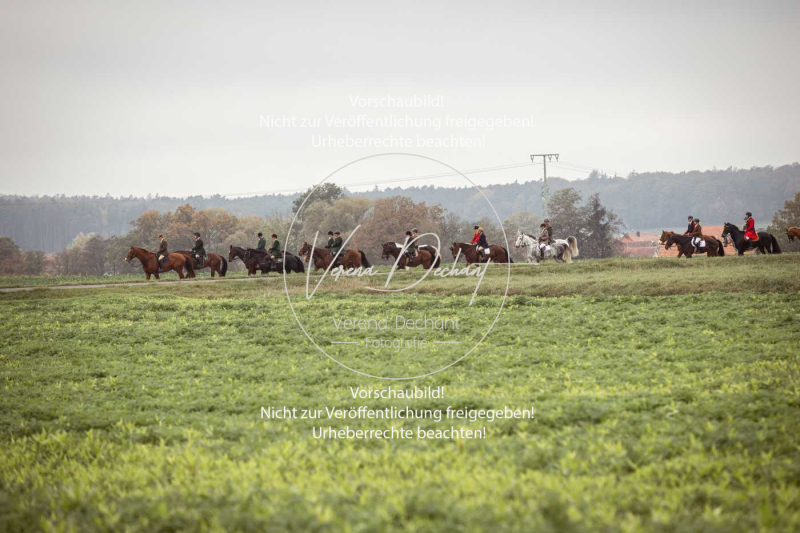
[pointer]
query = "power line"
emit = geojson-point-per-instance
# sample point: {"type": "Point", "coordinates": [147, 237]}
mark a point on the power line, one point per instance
{"type": "Point", "coordinates": [545, 191]}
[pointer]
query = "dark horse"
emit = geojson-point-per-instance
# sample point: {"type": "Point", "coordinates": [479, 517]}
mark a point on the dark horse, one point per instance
{"type": "Point", "coordinates": [217, 263]}
{"type": "Point", "coordinates": [252, 263]}
{"type": "Point", "coordinates": [175, 261]}
{"type": "Point", "coordinates": [286, 262]}
{"type": "Point", "coordinates": [323, 258]}
{"type": "Point", "coordinates": [426, 256]}
{"type": "Point", "coordinates": [713, 246]}
{"type": "Point", "coordinates": [497, 254]}
{"type": "Point", "coordinates": [766, 243]}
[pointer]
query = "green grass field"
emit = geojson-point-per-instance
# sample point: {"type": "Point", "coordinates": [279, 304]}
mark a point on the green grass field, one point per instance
{"type": "Point", "coordinates": [667, 398]}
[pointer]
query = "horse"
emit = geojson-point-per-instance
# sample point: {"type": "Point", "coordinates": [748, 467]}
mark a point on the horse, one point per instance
{"type": "Point", "coordinates": [175, 261]}
{"type": "Point", "coordinates": [424, 257]}
{"type": "Point", "coordinates": [288, 263]}
{"type": "Point", "coordinates": [323, 258]}
{"type": "Point", "coordinates": [497, 254]}
{"type": "Point", "coordinates": [766, 243]}
{"type": "Point", "coordinates": [562, 250]}
{"type": "Point", "coordinates": [665, 235]}
{"type": "Point", "coordinates": [793, 232]}
{"type": "Point", "coordinates": [250, 262]}
{"type": "Point", "coordinates": [713, 246]}
{"type": "Point", "coordinates": [215, 262]}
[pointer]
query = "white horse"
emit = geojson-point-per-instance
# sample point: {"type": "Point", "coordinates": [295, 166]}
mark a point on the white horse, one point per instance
{"type": "Point", "coordinates": [561, 250]}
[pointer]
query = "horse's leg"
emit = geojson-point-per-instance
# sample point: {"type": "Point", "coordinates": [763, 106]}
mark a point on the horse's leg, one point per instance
{"type": "Point", "coordinates": [147, 275]}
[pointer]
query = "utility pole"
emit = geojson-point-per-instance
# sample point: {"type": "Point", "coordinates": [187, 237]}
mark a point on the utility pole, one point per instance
{"type": "Point", "coordinates": [545, 191]}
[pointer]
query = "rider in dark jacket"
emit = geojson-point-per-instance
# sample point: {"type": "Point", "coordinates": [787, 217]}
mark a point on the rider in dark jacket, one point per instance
{"type": "Point", "coordinates": [331, 240]}
{"type": "Point", "coordinates": [162, 254]}
{"type": "Point", "coordinates": [337, 244]}
{"type": "Point", "coordinates": [262, 242]}
{"type": "Point", "coordinates": [275, 249]}
{"type": "Point", "coordinates": [483, 245]}
{"type": "Point", "coordinates": [690, 228]}
{"type": "Point", "coordinates": [198, 250]}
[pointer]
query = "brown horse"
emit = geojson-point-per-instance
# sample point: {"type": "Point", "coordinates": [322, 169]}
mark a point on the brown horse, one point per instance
{"type": "Point", "coordinates": [175, 261]}
{"type": "Point", "coordinates": [713, 246]}
{"type": "Point", "coordinates": [323, 258]}
{"type": "Point", "coordinates": [497, 254]}
{"type": "Point", "coordinates": [665, 235]}
{"type": "Point", "coordinates": [793, 232]}
{"type": "Point", "coordinates": [424, 257]}
{"type": "Point", "coordinates": [215, 262]}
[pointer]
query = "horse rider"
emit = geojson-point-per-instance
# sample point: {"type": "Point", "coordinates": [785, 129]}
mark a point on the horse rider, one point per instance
{"type": "Point", "coordinates": [750, 227]}
{"type": "Point", "coordinates": [482, 244]}
{"type": "Point", "coordinates": [413, 247]}
{"type": "Point", "coordinates": [337, 243]}
{"type": "Point", "coordinates": [697, 234]}
{"type": "Point", "coordinates": [331, 240]}
{"type": "Point", "coordinates": [476, 237]}
{"type": "Point", "coordinates": [275, 248]}
{"type": "Point", "coordinates": [546, 236]}
{"type": "Point", "coordinates": [198, 250]}
{"type": "Point", "coordinates": [162, 253]}
{"type": "Point", "coordinates": [690, 228]}
{"type": "Point", "coordinates": [262, 243]}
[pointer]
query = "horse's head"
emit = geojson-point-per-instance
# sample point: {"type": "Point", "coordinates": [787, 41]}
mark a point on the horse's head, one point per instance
{"type": "Point", "coordinates": [670, 241]}
{"type": "Point", "coordinates": [727, 229]}
{"type": "Point", "coordinates": [454, 249]}
{"type": "Point", "coordinates": [388, 248]}
{"type": "Point", "coordinates": [233, 253]}
{"type": "Point", "coordinates": [520, 239]}
{"type": "Point", "coordinates": [791, 233]}
{"type": "Point", "coordinates": [664, 236]}
{"type": "Point", "coordinates": [131, 255]}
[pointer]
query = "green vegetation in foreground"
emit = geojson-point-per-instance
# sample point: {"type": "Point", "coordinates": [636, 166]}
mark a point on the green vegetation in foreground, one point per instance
{"type": "Point", "coordinates": [657, 409]}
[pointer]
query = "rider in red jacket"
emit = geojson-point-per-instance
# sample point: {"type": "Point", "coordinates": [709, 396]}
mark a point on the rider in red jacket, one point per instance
{"type": "Point", "coordinates": [750, 227]}
{"type": "Point", "coordinates": [477, 236]}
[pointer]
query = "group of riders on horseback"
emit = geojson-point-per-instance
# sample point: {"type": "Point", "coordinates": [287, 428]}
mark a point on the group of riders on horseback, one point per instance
{"type": "Point", "coordinates": [478, 250]}
{"type": "Point", "coordinates": [694, 241]}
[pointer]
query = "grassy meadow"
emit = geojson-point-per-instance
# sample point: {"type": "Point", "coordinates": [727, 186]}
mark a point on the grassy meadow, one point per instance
{"type": "Point", "coordinates": [666, 391]}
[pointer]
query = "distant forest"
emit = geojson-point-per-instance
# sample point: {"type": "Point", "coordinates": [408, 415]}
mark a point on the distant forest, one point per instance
{"type": "Point", "coordinates": [641, 200]}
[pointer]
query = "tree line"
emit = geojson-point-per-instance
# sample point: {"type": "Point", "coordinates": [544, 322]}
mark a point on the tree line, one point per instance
{"type": "Point", "coordinates": [330, 209]}
{"type": "Point", "coordinates": [644, 200]}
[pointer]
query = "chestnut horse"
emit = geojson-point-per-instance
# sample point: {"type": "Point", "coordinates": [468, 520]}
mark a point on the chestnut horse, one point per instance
{"type": "Point", "coordinates": [323, 258]}
{"type": "Point", "coordinates": [215, 262]}
{"type": "Point", "coordinates": [424, 257]}
{"type": "Point", "coordinates": [175, 261]}
{"type": "Point", "coordinates": [497, 254]}
{"type": "Point", "coordinates": [793, 232]}
{"type": "Point", "coordinates": [713, 246]}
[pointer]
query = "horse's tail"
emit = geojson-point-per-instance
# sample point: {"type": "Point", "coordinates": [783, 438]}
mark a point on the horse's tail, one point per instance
{"type": "Point", "coordinates": [721, 248]}
{"type": "Point", "coordinates": [508, 255]}
{"type": "Point", "coordinates": [189, 266]}
{"type": "Point", "coordinates": [435, 259]}
{"type": "Point", "coordinates": [224, 266]}
{"type": "Point", "coordinates": [573, 246]}
{"type": "Point", "coordinates": [364, 261]}
{"type": "Point", "coordinates": [567, 256]}
{"type": "Point", "coordinates": [776, 249]}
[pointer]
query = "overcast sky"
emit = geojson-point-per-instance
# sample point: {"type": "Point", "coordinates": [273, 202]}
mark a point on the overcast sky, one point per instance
{"type": "Point", "coordinates": [168, 98]}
